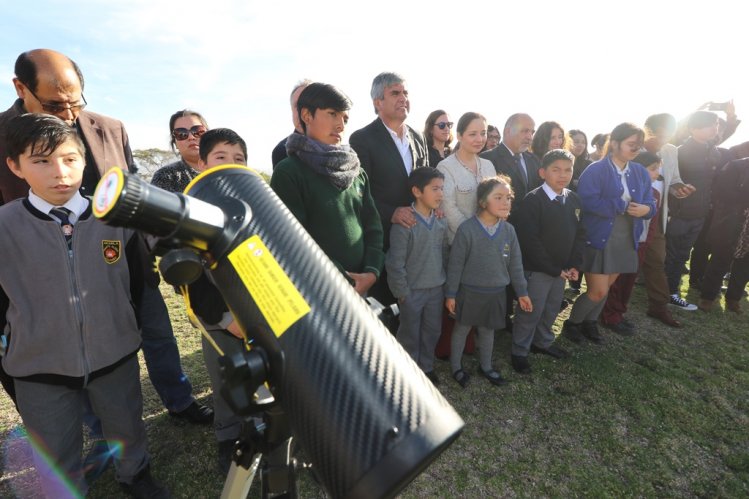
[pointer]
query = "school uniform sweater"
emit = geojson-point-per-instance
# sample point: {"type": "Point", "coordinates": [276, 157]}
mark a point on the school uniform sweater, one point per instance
{"type": "Point", "coordinates": [344, 223]}
{"type": "Point", "coordinates": [551, 234]}
{"type": "Point", "coordinates": [417, 257]}
{"type": "Point", "coordinates": [70, 316]}
{"type": "Point", "coordinates": [485, 262]}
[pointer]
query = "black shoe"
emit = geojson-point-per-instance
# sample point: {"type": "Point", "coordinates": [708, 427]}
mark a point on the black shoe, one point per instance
{"type": "Point", "coordinates": [225, 453]}
{"type": "Point", "coordinates": [493, 376]}
{"type": "Point", "coordinates": [145, 487]}
{"type": "Point", "coordinates": [564, 305]}
{"type": "Point", "coordinates": [195, 414]}
{"type": "Point", "coordinates": [97, 461]}
{"type": "Point", "coordinates": [572, 331]}
{"type": "Point", "coordinates": [432, 376]}
{"type": "Point", "coordinates": [590, 331]}
{"type": "Point", "coordinates": [620, 328]}
{"type": "Point", "coordinates": [551, 351]}
{"type": "Point", "coordinates": [461, 377]}
{"type": "Point", "coordinates": [520, 364]}
{"type": "Point", "coordinates": [575, 291]}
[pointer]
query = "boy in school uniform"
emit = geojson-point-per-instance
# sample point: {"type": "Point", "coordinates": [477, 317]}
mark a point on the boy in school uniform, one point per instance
{"type": "Point", "coordinates": [551, 240]}
{"type": "Point", "coordinates": [219, 146]}
{"type": "Point", "coordinates": [415, 264]}
{"type": "Point", "coordinates": [68, 285]}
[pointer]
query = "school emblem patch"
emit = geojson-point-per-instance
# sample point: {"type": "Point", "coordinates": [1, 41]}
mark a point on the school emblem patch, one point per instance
{"type": "Point", "coordinates": [111, 251]}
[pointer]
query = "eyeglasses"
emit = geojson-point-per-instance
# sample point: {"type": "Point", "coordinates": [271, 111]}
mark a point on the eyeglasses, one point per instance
{"type": "Point", "coordinates": [55, 108]}
{"type": "Point", "coordinates": [197, 131]}
{"type": "Point", "coordinates": [442, 124]}
{"type": "Point", "coordinates": [495, 137]}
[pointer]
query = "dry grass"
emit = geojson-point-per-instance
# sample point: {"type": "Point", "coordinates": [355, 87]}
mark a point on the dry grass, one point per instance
{"type": "Point", "coordinates": [664, 413]}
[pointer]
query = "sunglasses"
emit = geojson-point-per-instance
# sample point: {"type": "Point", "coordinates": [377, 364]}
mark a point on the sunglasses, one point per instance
{"type": "Point", "coordinates": [197, 131]}
{"type": "Point", "coordinates": [442, 124]}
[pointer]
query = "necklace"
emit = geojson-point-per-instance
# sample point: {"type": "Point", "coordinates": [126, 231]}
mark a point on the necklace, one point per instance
{"type": "Point", "coordinates": [474, 173]}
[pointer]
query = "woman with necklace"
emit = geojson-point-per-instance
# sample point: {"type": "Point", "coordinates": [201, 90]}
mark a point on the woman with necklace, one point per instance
{"type": "Point", "coordinates": [185, 129]}
{"type": "Point", "coordinates": [616, 195]}
{"type": "Point", "coordinates": [463, 171]}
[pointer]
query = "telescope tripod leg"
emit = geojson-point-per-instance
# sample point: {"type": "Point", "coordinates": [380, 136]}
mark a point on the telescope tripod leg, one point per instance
{"type": "Point", "coordinates": [239, 479]}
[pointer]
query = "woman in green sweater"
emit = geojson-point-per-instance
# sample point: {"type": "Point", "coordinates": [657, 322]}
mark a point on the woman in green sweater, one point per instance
{"type": "Point", "coordinates": [323, 185]}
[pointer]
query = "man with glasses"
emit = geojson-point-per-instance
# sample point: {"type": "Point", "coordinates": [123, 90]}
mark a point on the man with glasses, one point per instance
{"type": "Point", "coordinates": [389, 150]}
{"type": "Point", "coordinates": [49, 82]}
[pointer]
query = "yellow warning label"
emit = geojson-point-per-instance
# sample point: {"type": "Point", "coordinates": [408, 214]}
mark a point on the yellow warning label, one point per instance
{"type": "Point", "coordinates": [276, 296]}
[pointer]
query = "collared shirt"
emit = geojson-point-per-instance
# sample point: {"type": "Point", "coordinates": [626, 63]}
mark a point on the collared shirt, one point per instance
{"type": "Point", "coordinates": [404, 147]}
{"type": "Point", "coordinates": [623, 174]}
{"type": "Point", "coordinates": [522, 161]}
{"type": "Point", "coordinates": [77, 205]}
{"type": "Point", "coordinates": [553, 195]}
{"type": "Point", "coordinates": [427, 220]}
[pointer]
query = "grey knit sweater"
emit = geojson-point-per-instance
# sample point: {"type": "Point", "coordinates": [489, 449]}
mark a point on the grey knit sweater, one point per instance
{"type": "Point", "coordinates": [478, 260]}
{"type": "Point", "coordinates": [417, 257]}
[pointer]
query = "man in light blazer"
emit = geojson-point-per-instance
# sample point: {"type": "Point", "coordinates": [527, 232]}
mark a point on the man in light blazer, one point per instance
{"type": "Point", "coordinates": [51, 83]}
{"type": "Point", "coordinates": [389, 150]}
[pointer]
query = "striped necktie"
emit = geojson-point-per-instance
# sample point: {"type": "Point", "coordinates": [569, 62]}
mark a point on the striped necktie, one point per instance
{"type": "Point", "coordinates": [63, 215]}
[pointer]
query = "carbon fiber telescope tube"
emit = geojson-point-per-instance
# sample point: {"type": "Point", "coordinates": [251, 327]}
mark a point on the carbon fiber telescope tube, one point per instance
{"type": "Point", "coordinates": [366, 416]}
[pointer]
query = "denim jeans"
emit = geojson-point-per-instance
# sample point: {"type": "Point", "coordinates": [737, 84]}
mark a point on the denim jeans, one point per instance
{"type": "Point", "coordinates": [161, 353]}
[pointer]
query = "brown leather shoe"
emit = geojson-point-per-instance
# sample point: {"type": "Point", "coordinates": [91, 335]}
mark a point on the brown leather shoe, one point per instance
{"type": "Point", "coordinates": [662, 314]}
{"type": "Point", "coordinates": [705, 305]}
{"type": "Point", "coordinates": [734, 306]}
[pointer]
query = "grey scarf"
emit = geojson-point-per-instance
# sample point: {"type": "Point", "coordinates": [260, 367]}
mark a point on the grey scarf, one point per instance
{"type": "Point", "coordinates": [339, 163]}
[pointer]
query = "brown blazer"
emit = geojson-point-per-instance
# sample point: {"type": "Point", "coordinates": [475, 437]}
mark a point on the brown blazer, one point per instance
{"type": "Point", "coordinates": [105, 138]}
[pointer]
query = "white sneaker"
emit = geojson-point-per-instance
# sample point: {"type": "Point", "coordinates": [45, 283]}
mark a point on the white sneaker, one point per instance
{"type": "Point", "coordinates": [678, 301]}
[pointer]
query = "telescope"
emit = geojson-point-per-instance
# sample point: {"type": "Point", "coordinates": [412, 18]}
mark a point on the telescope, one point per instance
{"type": "Point", "coordinates": [364, 414]}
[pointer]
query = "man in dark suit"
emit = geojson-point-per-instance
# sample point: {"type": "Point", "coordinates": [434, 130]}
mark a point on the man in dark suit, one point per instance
{"type": "Point", "coordinates": [49, 82]}
{"type": "Point", "coordinates": [511, 157]}
{"type": "Point", "coordinates": [389, 150]}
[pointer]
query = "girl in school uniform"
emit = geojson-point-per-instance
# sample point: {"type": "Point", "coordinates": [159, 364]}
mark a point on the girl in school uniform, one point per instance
{"type": "Point", "coordinates": [476, 284]}
{"type": "Point", "coordinates": [616, 195]}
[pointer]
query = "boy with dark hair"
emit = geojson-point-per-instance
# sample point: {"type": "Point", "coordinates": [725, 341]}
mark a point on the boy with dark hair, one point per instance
{"type": "Point", "coordinates": [415, 265]}
{"type": "Point", "coordinates": [219, 146]}
{"type": "Point", "coordinates": [65, 339]}
{"type": "Point", "coordinates": [222, 146]}
{"type": "Point", "coordinates": [323, 185]}
{"type": "Point", "coordinates": [551, 240]}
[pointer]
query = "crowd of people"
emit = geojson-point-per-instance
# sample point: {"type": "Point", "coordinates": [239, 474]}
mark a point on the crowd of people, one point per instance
{"type": "Point", "coordinates": [475, 232]}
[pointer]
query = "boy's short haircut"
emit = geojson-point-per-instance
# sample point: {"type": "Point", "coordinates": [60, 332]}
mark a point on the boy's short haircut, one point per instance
{"type": "Point", "coordinates": [43, 133]}
{"type": "Point", "coordinates": [646, 158]}
{"type": "Point", "coordinates": [420, 177]}
{"type": "Point", "coordinates": [215, 136]}
{"type": "Point", "coordinates": [556, 155]}
{"type": "Point", "coordinates": [661, 121]}
{"type": "Point", "coordinates": [321, 96]}
{"type": "Point", "coordinates": [701, 119]}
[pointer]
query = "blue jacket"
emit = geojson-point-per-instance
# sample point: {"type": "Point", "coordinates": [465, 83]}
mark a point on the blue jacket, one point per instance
{"type": "Point", "coordinates": [600, 190]}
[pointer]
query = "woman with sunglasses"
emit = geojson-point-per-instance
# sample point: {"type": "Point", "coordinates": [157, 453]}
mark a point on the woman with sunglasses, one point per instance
{"type": "Point", "coordinates": [185, 129]}
{"type": "Point", "coordinates": [438, 134]}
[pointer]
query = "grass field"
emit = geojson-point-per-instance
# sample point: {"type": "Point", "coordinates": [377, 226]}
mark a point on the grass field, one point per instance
{"type": "Point", "coordinates": [664, 413]}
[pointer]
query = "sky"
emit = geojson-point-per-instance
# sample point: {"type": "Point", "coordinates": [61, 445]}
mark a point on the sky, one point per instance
{"type": "Point", "coordinates": [586, 64]}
